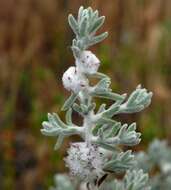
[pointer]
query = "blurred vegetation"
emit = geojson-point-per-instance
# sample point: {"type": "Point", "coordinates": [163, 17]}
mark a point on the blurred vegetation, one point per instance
{"type": "Point", "coordinates": [34, 52]}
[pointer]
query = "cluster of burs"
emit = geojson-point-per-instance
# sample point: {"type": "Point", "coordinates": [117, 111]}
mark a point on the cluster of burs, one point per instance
{"type": "Point", "coordinates": [99, 156]}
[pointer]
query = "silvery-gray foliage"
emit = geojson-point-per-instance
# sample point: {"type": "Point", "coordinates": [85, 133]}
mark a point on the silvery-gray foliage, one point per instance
{"type": "Point", "coordinates": [99, 131]}
{"type": "Point", "coordinates": [158, 160]}
{"type": "Point", "coordinates": [133, 180]}
{"type": "Point", "coordinates": [85, 28]}
{"type": "Point", "coordinates": [62, 182]}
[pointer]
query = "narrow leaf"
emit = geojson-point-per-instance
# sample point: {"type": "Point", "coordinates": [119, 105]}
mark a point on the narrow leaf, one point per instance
{"type": "Point", "coordinates": [101, 108]}
{"type": "Point", "coordinates": [59, 121]}
{"type": "Point", "coordinates": [73, 24]}
{"type": "Point", "coordinates": [59, 142]}
{"type": "Point", "coordinates": [104, 120]}
{"type": "Point", "coordinates": [69, 102]}
{"type": "Point", "coordinates": [98, 38]}
{"type": "Point", "coordinates": [76, 51]}
{"type": "Point", "coordinates": [98, 23]}
{"type": "Point", "coordinates": [68, 116]}
{"type": "Point", "coordinates": [83, 27]}
{"type": "Point", "coordinates": [80, 13]}
{"type": "Point", "coordinates": [108, 95]}
{"type": "Point", "coordinates": [77, 108]}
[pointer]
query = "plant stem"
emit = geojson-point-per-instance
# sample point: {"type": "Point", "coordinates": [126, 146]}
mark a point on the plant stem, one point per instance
{"type": "Point", "coordinates": [85, 98]}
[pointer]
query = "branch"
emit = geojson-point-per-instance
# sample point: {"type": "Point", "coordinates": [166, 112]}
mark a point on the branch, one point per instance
{"type": "Point", "coordinates": [56, 127]}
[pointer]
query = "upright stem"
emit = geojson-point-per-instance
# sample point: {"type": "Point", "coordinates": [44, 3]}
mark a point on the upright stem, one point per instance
{"type": "Point", "coordinates": [88, 126]}
{"type": "Point", "coordinates": [87, 123]}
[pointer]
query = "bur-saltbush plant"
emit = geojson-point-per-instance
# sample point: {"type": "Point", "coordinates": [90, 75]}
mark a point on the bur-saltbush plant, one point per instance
{"type": "Point", "coordinates": [101, 134]}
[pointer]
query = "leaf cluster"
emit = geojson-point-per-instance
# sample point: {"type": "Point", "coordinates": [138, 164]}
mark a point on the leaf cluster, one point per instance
{"type": "Point", "coordinates": [85, 28]}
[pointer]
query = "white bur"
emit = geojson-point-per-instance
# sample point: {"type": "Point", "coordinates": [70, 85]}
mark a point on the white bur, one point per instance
{"type": "Point", "coordinates": [85, 162]}
{"type": "Point", "coordinates": [73, 80]}
{"type": "Point", "coordinates": [87, 62]}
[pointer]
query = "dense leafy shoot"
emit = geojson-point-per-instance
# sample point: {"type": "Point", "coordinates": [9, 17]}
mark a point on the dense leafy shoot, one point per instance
{"type": "Point", "coordinates": [100, 152]}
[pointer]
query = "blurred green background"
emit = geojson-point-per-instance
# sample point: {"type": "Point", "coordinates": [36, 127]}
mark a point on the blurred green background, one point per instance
{"type": "Point", "coordinates": [35, 50]}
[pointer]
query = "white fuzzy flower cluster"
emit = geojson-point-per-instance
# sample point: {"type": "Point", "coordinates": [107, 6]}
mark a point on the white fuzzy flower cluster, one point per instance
{"type": "Point", "coordinates": [85, 161]}
{"type": "Point", "coordinates": [87, 63]}
{"type": "Point", "coordinates": [74, 77]}
{"type": "Point", "coordinates": [73, 80]}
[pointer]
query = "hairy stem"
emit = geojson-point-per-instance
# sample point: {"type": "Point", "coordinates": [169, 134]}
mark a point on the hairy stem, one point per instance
{"type": "Point", "coordinates": [87, 121]}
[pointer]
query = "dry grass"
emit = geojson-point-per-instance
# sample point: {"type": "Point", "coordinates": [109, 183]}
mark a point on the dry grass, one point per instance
{"type": "Point", "coordinates": [34, 52]}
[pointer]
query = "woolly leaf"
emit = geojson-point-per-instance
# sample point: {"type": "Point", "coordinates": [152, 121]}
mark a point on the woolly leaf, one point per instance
{"type": "Point", "coordinates": [56, 127]}
{"type": "Point", "coordinates": [101, 108]}
{"type": "Point", "coordinates": [98, 38]}
{"type": "Point", "coordinates": [99, 75]}
{"type": "Point", "coordinates": [120, 162]}
{"type": "Point", "coordinates": [114, 130]}
{"type": "Point", "coordinates": [69, 102]}
{"type": "Point", "coordinates": [84, 108]}
{"type": "Point", "coordinates": [80, 12]}
{"type": "Point", "coordinates": [136, 180]}
{"type": "Point", "coordinates": [128, 136]}
{"type": "Point", "coordinates": [90, 13]}
{"type": "Point", "coordinates": [137, 101]}
{"type": "Point", "coordinates": [83, 27]}
{"type": "Point", "coordinates": [104, 120]}
{"type": "Point", "coordinates": [103, 85]}
{"type": "Point", "coordinates": [107, 95]}
{"type": "Point", "coordinates": [133, 180]}
{"type": "Point", "coordinates": [77, 108]}
{"type": "Point", "coordinates": [73, 24]}
{"type": "Point", "coordinates": [111, 111]}
{"type": "Point", "coordinates": [98, 23]}
{"type": "Point", "coordinates": [59, 142]}
{"type": "Point", "coordinates": [95, 15]}
{"type": "Point", "coordinates": [68, 117]}
{"type": "Point", "coordinates": [76, 50]}
{"type": "Point", "coordinates": [62, 182]}
{"type": "Point", "coordinates": [54, 119]}
{"type": "Point", "coordinates": [106, 146]}
{"type": "Point", "coordinates": [91, 107]}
